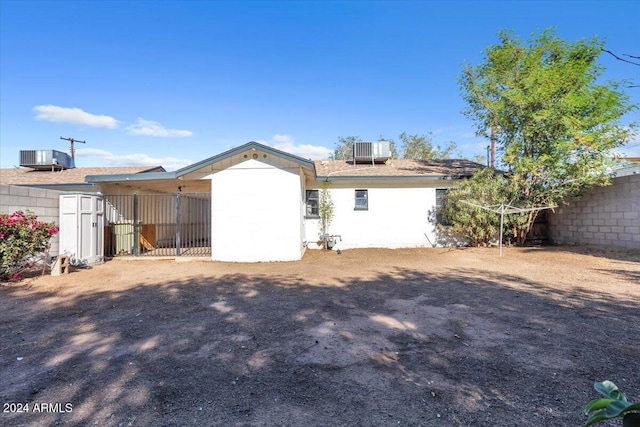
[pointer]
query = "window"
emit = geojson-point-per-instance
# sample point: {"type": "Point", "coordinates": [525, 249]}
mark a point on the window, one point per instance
{"type": "Point", "coordinates": [441, 194]}
{"type": "Point", "coordinates": [312, 203]}
{"type": "Point", "coordinates": [362, 200]}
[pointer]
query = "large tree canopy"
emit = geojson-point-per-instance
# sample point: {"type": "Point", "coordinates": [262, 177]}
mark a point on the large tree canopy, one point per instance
{"type": "Point", "coordinates": [554, 121]}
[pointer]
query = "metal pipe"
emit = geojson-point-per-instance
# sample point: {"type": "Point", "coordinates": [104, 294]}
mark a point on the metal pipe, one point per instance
{"type": "Point", "coordinates": [178, 214]}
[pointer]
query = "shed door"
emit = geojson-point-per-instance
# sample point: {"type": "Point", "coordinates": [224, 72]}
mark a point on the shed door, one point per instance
{"type": "Point", "coordinates": [91, 224]}
{"type": "Point", "coordinates": [81, 226]}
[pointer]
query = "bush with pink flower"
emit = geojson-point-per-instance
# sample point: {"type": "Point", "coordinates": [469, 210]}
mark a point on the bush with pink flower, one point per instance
{"type": "Point", "coordinates": [22, 237]}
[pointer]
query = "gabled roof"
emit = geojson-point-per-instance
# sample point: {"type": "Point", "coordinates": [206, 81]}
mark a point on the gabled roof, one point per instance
{"type": "Point", "coordinates": [26, 176]}
{"type": "Point", "coordinates": [237, 150]}
{"type": "Point", "coordinates": [397, 169]}
{"type": "Point", "coordinates": [204, 163]}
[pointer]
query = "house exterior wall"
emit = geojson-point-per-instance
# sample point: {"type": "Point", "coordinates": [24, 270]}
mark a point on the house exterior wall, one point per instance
{"type": "Point", "coordinates": [303, 210]}
{"type": "Point", "coordinates": [398, 216]}
{"type": "Point", "coordinates": [256, 211]}
{"type": "Point", "coordinates": [44, 203]}
{"type": "Point", "coordinates": [606, 216]}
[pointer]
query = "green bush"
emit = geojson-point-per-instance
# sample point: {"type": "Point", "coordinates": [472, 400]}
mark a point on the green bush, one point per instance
{"type": "Point", "coordinates": [22, 237]}
{"type": "Point", "coordinates": [613, 405]}
{"type": "Point", "coordinates": [479, 226]}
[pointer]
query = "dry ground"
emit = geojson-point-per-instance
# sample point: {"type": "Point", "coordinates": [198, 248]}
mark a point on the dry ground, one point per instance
{"type": "Point", "coordinates": [431, 337]}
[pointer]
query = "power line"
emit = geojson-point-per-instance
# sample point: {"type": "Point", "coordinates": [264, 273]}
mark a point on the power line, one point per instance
{"type": "Point", "coordinates": [622, 59]}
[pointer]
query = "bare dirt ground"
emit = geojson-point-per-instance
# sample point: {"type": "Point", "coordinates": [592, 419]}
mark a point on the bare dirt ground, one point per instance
{"type": "Point", "coordinates": [421, 337]}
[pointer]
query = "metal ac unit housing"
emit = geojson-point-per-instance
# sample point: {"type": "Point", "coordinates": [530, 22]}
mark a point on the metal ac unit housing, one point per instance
{"type": "Point", "coordinates": [45, 159]}
{"type": "Point", "coordinates": [371, 152]}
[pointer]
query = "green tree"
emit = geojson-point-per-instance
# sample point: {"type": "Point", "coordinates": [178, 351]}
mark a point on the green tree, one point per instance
{"type": "Point", "coordinates": [420, 147]}
{"type": "Point", "coordinates": [344, 148]}
{"type": "Point", "coordinates": [479, 226]}
{"type": "Point", "coordinates": [480, 158]}
{"type": "Point", "coordinates": [554, 122]}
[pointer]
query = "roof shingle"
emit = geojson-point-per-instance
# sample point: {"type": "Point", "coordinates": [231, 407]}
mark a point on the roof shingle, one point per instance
{"type": "Point", "coordinates": [398, 167]}
{"type": "Point", "coordinates": [25, 176]}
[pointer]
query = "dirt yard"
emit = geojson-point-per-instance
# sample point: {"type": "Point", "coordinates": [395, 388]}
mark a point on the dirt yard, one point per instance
{"type": "Point", "coordinates": [431, 337]}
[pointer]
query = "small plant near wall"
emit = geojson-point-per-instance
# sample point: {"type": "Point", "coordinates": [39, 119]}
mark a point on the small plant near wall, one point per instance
{"type": "Point", "coordinates": [326, 212]}
{"type": "Point", "coordinates": [22, 237]}
{"type": "Point", "coordinates": [613, 405]}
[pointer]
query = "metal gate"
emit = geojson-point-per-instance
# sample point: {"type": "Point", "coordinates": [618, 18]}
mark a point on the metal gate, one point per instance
{"type": "Point", "coordinates": [158, 224]}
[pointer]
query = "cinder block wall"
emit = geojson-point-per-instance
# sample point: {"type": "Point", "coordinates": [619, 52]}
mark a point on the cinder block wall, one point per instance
{"type": "Point", "coordinates": [605, 216]}
{"type": "Point", "coordinates": [44, 203]}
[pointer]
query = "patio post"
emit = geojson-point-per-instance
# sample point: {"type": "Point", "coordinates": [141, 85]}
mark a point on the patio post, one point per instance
{"type": "Point", "coordinates": [178, 209]}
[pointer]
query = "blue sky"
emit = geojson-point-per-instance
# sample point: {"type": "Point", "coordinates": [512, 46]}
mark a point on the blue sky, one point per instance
{"type": "Point", "coordinates": [171, 83]}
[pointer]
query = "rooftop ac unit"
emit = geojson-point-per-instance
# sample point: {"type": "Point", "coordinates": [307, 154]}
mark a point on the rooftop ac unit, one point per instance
{"type": "Point", "coordinates": [45, 159]}
{"type": "Point", "coordinates": [371, 152]}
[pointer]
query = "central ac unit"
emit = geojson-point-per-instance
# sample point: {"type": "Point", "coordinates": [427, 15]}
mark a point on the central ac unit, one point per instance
{"type": "Point", "coordinates": [371, 152]}
{"type": "Point", "coordinates": [45, 159]}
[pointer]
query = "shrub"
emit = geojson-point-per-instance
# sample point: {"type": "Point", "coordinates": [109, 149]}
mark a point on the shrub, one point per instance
{"type": "Point", "coordinates": [479, 226]}
{"type": "Point", "coordinates": [22, 237]}
{"type": "Point", "coordinates": [613, 405]}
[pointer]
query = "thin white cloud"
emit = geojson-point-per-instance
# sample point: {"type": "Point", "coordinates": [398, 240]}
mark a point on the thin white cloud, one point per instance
{"type": "Point", "coordinates": [138, 159]}
{"type": "Point", "coordinates": [287, 144]}
{"type": "Point", "coordinates": [151, 128]}
{"type": "Point", "coordinates": [56, 114]}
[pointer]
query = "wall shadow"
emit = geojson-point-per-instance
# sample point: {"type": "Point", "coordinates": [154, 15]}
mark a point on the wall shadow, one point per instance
{"type": "Point", "coordinates": [614, 253]}
{"type": "Point", "coordinates": [404, 346]}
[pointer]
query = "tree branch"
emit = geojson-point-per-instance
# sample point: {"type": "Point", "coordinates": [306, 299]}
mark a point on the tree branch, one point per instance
{"type": "Point", "coordinates": [622, 59]}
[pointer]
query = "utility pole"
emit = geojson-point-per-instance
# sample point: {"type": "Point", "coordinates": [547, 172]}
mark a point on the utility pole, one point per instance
{"type": "Point", "coordinates": [73, 150]}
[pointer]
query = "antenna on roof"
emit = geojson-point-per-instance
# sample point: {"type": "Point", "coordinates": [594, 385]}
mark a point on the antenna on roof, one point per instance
{"type": "Point", "coordinates": [73, 150]}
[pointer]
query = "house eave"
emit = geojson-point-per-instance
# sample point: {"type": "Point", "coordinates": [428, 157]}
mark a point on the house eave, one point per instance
{"type": "Point", "coordinates": [148, 176]}
{"type": "Point", "coordinates": [392, 178]}
{"type": "Point", "coordinates": [74, 186]}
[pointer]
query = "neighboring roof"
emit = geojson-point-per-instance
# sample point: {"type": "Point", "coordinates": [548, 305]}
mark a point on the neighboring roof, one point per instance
{"type": "Point", "coordinates": [397, 168]}
{"type": "Point", "coordinates": [26, 176]}
{"type": "Point", "coordinates": [626, 170]}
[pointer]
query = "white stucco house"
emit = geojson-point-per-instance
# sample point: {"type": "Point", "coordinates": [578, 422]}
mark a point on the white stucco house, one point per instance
{"type": "Point", "coordinates": [262, 203]}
